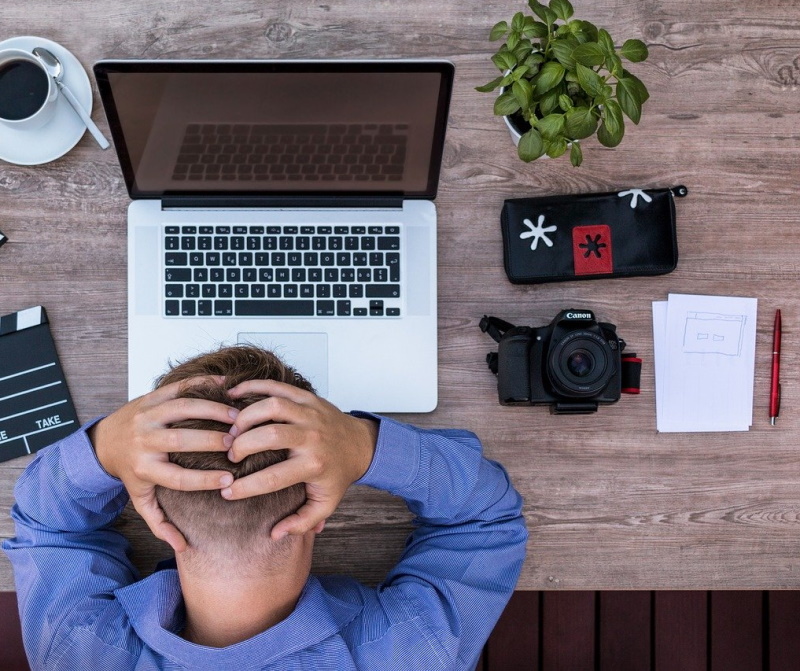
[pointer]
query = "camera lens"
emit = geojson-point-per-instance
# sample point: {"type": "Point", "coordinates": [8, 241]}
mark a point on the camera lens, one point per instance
{"type": "Point", "coordinates": [580, 363]}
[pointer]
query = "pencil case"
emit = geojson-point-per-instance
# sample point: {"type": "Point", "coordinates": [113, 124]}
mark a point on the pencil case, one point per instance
{"type": "Point", "coordinates": [590, 236]}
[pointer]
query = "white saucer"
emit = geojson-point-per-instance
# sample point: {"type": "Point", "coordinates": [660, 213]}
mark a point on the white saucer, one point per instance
{"type": "Point", "coordinates": [62, 132]}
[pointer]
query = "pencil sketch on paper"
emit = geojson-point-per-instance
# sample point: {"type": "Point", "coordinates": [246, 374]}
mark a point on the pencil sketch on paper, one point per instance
{"type": "Point", "coordinates": [710, 333]}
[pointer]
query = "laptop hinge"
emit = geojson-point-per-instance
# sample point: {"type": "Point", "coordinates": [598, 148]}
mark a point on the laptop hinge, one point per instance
{"type": "Point", "coordinates": [293, 202]}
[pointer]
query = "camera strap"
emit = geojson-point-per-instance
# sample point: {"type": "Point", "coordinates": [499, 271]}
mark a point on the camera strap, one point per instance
{"type": "Point", "coordinates": [631, 364]}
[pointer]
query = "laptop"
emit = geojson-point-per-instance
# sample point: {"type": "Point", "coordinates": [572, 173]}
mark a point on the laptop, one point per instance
{"type": "Point", "coordinates": [286, 204]}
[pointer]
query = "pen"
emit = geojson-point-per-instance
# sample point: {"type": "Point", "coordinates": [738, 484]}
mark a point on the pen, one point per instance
{"type": "Point", "coordinates": [775, 385]}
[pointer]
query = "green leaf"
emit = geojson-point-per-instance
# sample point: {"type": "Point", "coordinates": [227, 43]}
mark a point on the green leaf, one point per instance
{"type": "Point", "coordinates": [512, 41]}
{"type": "Point", "coordinates": [544, 13]}
{"type": "Point", "coordinates": [557, 147]}
{"type": "Point", "coordinates": [549, 76]}
{"type": "Point", "coordinates": [534, 29]}
{"type": "Point", "coordinates": [504, 60]}
{"type": "Point", "coordinates": [589, 80]}
{"type": "Point", "coordinates": [562, 8]}
{"type": "Point", "coordinates": [523, 92]}
{"type": "Point", "coordinates": [576, 154]}
{"type": "Point", "coordinates": [498, 30]}
{"type": "Point", "coordinates": [614, 65]}
{"type": "Point", "coordinates": [612, 117]}
{"type": "Point", "coordinates": [534, 59]}
{"type": "Point", "coordinates": [605, 41]}
{"type": "Point", "coordinates": [551, 126]}
{"type": "Point", "coordinates": [634, 50]}
{"type": "Point", "coordinates": [562, 50]}
{"type": "Point", "coordinates": [565, 102]}
{"type": "Point", "coordinates": [530, 146]}
{"type": "Point", "coordinates": [637, 87]}
{"type": "Point", "coordinates": [589, 54]}
{"type": "Point", "coordinates": [549, 101]}
{"type": "Point", "coordinates": [607, 139]}
{"type": "Point", "coordinates": [580, 122]}
{"type": "Point", "coordinates": [628, 101]}
{"type": "Point", "coordinates": [518, 72]}
{"type": "Point", "coordinates": [518, 22]}
{"type": "Point", "coordinates": [584, 31]}
{"type": "Point", "coordinates": [506, 104]}
{"type": "Point", "coordinates": [491, 86]}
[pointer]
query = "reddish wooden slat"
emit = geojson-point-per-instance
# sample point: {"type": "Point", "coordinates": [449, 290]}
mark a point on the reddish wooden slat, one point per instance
{"type": "Point", "coordinates": [681, 631]}
{"type": "Point", "coordinates": [784, 631]}
{"type": "Point", "coordinates": [12, 654]}
{"type": "Point", "coordinates": [736, 631]}
{"type": "Point", "coordinates": [625, 630]}
{"type": "Point", "coordinates": [514, 643]}
{"type": "Point", "coordinates": [568, 625]}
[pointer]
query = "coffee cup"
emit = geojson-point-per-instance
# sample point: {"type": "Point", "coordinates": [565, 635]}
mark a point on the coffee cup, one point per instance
{"type": "Point", "coordinates": [28, 93]}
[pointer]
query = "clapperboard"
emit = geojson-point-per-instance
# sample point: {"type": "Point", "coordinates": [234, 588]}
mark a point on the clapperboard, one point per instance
{"type": "Point", "coordinates": [35, 405]}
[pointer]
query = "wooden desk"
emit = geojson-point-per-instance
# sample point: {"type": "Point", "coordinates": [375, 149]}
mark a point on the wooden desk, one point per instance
{"type": "Point", "coordinates": [610, 503]}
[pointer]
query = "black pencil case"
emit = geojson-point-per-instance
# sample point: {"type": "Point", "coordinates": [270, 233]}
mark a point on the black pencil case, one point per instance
{"type": "Point", "coordinates": [590, 236]}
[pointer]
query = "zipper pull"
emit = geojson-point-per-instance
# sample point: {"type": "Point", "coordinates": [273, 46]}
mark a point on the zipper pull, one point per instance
{"type": "Point", "coordinates": [680, 191]}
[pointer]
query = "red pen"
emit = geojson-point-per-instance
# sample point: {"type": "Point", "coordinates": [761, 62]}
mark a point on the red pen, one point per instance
{"type": "Point", "coordinates": [775, 385]}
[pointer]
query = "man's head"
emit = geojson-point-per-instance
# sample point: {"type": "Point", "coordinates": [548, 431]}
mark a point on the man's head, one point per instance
{"type": "Point", "coordinates": [212, 525]}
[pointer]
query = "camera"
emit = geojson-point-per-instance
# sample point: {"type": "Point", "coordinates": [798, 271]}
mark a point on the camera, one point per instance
{"type": "Point", "coordinates": [573, 364]}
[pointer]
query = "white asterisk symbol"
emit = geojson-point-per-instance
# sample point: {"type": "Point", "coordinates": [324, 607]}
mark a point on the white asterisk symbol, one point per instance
{"type": "Point", "coordinates": [537, 232]}
{"type": "Point", "coordinates": [635, 193]}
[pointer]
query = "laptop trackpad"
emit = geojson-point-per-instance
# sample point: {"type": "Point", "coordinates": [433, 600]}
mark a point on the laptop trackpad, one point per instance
{"type": "Point", "coordinates": [305, 352]}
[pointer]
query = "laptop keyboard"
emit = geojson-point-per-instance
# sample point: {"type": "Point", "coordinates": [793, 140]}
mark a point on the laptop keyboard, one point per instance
{"type": "Point", "coordinates": [299, 152]}
{"type": "Point", "coordinates": [282, 271]}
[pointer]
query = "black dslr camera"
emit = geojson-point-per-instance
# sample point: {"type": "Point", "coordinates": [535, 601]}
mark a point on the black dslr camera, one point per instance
{"type": "Point", "coordinates": [573, 364]}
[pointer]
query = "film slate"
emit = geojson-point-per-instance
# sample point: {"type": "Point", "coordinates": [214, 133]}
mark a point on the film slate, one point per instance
{"type": "Point", "coordinates": [35, 404]}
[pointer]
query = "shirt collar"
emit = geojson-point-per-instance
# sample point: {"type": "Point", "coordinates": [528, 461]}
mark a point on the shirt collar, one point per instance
{"type": "Point", "coordinates": [155, 608]}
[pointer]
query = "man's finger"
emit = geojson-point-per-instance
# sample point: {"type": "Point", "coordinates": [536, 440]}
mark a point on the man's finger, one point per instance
{"type": "Point", "coordinates": [190, 440]}
{"type": "Point", "coordinates": [305, 519]}
{"type": "Point", "coordinates": [272, 388]}
{"type": "Point", "coordinates": [271, 479]}
{"type": "Point", "coordinates": [148, 508]}
{"type": "Point", "coordinates": [271, 409]}
{"type": "Point", "coordinates": [180, 409]}
{"type": "Point", "coordinates": [175, 389]}
{"type": "Point", "coordinates": [269, 437]}
{"type": "Point", "coordinates": [172, 476]}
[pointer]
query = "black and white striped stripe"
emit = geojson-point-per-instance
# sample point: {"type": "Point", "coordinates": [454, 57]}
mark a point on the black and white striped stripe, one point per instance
{"type": "Point", "coordinates": [24, 319]}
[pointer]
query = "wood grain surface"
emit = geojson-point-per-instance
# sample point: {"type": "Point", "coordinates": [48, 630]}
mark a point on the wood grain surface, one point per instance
{"type": "Point", "coordinates": [610, 503]}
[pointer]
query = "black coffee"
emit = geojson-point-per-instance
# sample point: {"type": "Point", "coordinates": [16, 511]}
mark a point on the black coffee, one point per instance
{"type": "Point", "coordinates": [23, 89]}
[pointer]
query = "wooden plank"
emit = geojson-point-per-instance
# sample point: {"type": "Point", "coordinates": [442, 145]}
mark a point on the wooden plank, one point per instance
{"type": "Point", "coordinates": [736, 625]}
{"type": "Point", "coordinates": [681, 631]}
{"type": "Point", "coordinates": [784, 630]}
{"type": "Point", "coordinates": [568, 631]}
{"type": "Point", "coordinates": [624, 630]}
{"type": "Point", "coordinates": [12, 654]}
{"type": "Point", "coordinates": [514, 643]}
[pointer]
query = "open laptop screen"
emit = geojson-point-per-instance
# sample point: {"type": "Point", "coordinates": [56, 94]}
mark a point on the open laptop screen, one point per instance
{"type": "Point", "coordinates": [277, 127]}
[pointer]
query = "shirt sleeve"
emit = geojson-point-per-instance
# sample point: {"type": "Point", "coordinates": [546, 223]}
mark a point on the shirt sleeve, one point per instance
{"type": "Point", "coordinates": [66, 560]}
{"type": "Point", "coordinates": [462, 561]}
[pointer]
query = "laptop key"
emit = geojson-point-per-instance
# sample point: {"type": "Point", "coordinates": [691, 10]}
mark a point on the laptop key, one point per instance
{"type": "Point", "coordinates": [209, 291]}
{"type": "Point", "coordinates": [389, 243]}
{"type": "Point", "coordinates": [383, 291]}
{"type": "Point", "coordinates": [223, 308]}
{"type": "Point", "coordinates": [343, 308]}
{"type": "Point", "coordinates": [172, 308]}
{"type": "Point", "coordinates": [282, 308]}
{"type": "Point", "coordinates": [241, 291]}
{"type": "Point", "coordinates": [178, 274]}
{"type": "Point", "coordinates": [258, 291]}
{"type": "Point", "coordinates": [217, 275]}
{"type": "Point", "coordinates": [325, 308]}
{"type": "Point", "coordinates": [173, 291]}
{"type": "Point", "coordinates": [306, 291]}
{"type": "Point", "coordinates": [188, 309]}
{"type": "Point", "coordinates": [360, 312]}
{"type": "Point", "coordinates": [392, 312]}
{"type": "Point", "coordinates": [205, 308]}
{"type": "Point", "coordinates": [172, 242]}
{"type": "Point", "coordinates": [175, 258]}
{"type": "Point", "coordinates": [376, 308]}
{"type": "Point", "coordinates": [225, 290]}
{"type": "Point", "coordinates": [192, 291]}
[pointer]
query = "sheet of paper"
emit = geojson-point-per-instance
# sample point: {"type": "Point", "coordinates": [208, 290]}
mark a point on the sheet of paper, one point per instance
{"type": "Point", "coordinates": [705, 362]}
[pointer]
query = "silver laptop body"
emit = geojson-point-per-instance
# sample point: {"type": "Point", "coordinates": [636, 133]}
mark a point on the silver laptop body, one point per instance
{"type": "Point", "coordinates": [286, 204]}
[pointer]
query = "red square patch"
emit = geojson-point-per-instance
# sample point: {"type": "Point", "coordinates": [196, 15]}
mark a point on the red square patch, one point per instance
{"type": "Point", "coordinates": [591, 250]}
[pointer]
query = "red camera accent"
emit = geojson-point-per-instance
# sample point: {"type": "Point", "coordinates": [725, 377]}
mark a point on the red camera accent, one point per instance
{"type": "Point", "coordinates": [591, 250]}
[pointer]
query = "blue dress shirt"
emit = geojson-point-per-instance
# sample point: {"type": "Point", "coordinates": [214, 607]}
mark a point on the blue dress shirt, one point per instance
{"type": "Point", "coordinates": [83, 606]}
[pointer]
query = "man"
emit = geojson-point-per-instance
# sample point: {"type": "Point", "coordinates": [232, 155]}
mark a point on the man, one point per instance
{"type": "Point", "coordinates": [246, 600]}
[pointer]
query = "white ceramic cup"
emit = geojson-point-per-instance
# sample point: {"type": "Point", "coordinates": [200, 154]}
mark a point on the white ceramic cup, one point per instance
{"type": "Point", "coordinates": [47, 109]}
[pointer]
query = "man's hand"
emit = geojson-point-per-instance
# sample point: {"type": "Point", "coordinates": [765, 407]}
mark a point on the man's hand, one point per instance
{"type": "Point", "coordinates": [133, 444]}
{"type": "Point", "coordinates": [328, 450]}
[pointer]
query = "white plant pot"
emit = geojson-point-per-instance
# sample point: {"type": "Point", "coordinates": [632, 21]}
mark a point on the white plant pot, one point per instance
{"type": "Point", "coordinates": [515, 134]}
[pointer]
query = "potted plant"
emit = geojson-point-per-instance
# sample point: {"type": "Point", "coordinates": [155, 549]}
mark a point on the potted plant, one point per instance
{"type": "Point", "coordinates": [563, 82]}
